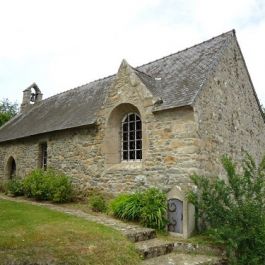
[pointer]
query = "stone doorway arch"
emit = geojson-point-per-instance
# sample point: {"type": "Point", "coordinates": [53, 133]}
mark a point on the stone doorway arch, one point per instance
{"type": "Point", "coordinates": [11, 168]}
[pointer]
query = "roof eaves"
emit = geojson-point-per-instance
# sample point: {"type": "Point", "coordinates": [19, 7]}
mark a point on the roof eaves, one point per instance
{"type": "Point", "coordinates": [94, 122]}
{"type": "Point", "coordinates": [162, 108]}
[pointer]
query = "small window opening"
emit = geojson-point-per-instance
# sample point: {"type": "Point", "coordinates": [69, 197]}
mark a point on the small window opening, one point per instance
{"type": "Point", "coordinates": [11, 168]}
{"type": "Point", "coordinates": [44, 155]}
{"type": "Point", "coordinates": [131, 137]}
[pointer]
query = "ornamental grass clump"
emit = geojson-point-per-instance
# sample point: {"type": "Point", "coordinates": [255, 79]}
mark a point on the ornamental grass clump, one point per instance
{"type": "Point", "coordinates": [154, 209]}
{"type": "Point", "coordinates": [232, 212]}
{"type": "Point", "coordinates": [148, 207]}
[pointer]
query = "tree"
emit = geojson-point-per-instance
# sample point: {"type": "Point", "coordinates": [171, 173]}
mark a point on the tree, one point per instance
{"type": "Point", "coordinates": [232, 212]}
{"type": "Point", "coordinates": [8, 110]}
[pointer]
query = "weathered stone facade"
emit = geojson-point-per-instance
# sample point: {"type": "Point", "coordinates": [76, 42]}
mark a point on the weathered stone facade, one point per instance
{"type": "Point", "coordinates": [86, 154]}
{"type": "Point", "coordinates": [176, 143]}
{"type": "Point", "coordinates": [221, 116]}
{"type": "Point", "coordinates": [227, 114]}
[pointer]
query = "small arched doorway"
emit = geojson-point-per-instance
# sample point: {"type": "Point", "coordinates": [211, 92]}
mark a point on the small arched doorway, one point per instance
{"type": "Point", "coordinates": [175, 216]}
{"type": "Point", "coordinates": [11, 168]}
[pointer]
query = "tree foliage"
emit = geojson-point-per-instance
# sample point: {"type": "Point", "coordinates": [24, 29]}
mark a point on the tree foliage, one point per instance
{"type": "Point", "coordinates": [232, 212]}
{"type": "Point", "coordinates": [7, 110]}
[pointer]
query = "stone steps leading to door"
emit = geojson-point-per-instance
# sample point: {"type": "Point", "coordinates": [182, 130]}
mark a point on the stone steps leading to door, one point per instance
{"type": "Point", "coordinates": [153, 248]}
{"type": "Point", "coordinates": [183, 259]}
{"type": "Point", "coordinates": [140, 234]}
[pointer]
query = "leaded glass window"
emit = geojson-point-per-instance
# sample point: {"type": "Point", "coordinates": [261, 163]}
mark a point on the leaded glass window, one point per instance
{"type": "Point", "coordinates": [131, 137]}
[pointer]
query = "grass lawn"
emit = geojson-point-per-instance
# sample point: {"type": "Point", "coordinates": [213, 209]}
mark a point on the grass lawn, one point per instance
{"type": "Point", "coordinates": [36, 235]}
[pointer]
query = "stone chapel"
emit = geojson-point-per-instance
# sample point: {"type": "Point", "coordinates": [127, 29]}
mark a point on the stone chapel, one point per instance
{"type": "Point", "coordinates": [149, 126]}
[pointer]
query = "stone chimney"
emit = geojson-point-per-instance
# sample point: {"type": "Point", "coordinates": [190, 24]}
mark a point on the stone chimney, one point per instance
{"type": "Point", "coordinates": [31, 96]}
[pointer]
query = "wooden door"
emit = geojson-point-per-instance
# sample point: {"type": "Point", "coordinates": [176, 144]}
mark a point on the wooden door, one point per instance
{"type": "Point", "coordinates": [175, 216]}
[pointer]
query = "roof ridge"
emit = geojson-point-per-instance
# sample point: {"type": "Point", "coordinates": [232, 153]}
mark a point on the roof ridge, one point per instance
{"type": "Point", "coordinates": [193, 46]}
{"type": "Point", "coordinates": [136, 68]}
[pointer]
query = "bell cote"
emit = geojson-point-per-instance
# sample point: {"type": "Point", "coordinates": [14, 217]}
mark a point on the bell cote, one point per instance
{"type": "Point", "coordinates": [31, 96]}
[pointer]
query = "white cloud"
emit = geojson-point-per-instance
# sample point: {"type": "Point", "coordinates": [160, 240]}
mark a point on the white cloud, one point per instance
{"type": "Point", "coordinates": [65, 43]}
{"type": "Point", "coordinates": [252, 43]}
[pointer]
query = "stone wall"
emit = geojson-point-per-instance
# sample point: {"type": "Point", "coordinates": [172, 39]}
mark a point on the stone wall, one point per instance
{"type": "Point", "coordinates": [227, 114]}
{"type": "Point", "coordinates": [25, 153]}
{"type": "Point", "coordinates": [176, 143]}
{"type": "Point", "coordinates": [92, 155]}
{"type": "Point", "coordinates": [169, 139]}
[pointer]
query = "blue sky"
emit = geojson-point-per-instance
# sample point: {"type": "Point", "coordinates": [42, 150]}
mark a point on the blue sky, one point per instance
{"type": "Point", "coordinates": [64, 44]}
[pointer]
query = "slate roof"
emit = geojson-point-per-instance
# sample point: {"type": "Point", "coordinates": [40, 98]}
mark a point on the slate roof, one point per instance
{"type": "Point", "coordinates": [182, 76]}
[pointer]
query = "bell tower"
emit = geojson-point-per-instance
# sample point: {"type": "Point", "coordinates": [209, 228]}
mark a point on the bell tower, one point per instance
{"type": "Point", "coordinates": [31, 96]}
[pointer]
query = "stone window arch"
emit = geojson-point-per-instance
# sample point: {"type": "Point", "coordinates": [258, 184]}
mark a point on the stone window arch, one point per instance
{"type": "Point", "coordinates": [113, 136]}
{"type": "Point", "coordinates": [131, 137]}
{"type": "Point", "coordinates": [11, 168]}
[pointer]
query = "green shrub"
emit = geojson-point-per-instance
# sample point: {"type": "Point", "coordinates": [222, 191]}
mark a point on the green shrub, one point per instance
{"type": "Point", "coordinates": [127, 206]}
{"type": "Point", "coordinates": [148, 207]}
{"type": "Point", "coordinates": [118, 205]}
{"type": "Point", "coordinates": [3, 186]}
{"type": "Point", "coordinates": [38, 185]}
{"type": "Point", "coordinates": [48, 185]}
{"type": "Point", "coordinates": [61, 187]}
{"type": "Point", "coordinates": [98, 203]}
{"type": "Point", "coordinates": [154, 210]}
{"type": "Point", "coordinates": [15, 187]}
{"type": "Point", "coordinates": [233, 212]}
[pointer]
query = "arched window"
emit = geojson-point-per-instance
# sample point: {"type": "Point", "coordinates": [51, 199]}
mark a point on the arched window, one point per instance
{"type": "Point", "coordinates": [131, 137]}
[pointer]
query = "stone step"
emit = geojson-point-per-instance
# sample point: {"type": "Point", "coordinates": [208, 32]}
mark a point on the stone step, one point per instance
{"type": "Point", "coordinates": [194, 248]}
{"type": "Point", "coordinates": [184, 259]}
{"type": "Point", "coordinates": [140, 234]}
{"type": "Point", "coordinates": [154, 248]}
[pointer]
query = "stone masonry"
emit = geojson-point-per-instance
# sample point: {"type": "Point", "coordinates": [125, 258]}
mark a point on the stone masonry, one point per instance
{"type": "Point", "coordinates": [224, 119]}
{"type": "Point", "coordinates": [227, 115]}
{"type": "Point", "coordinates": [212, 111]}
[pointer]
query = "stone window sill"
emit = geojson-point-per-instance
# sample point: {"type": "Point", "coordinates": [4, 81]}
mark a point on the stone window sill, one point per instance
{"type": "Point", "coordinates": [127, 165]}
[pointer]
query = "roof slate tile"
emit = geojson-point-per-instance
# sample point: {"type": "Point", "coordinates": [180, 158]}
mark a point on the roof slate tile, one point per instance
{"type": "Point", "coordinates": [182, 76]}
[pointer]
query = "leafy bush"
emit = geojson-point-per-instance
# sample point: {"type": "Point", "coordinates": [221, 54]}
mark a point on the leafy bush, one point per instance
{"type": "Point", "coordinates": [48, 185]}
{"type": "Point", "coordinates": [233, 212]}
{"type": "Point", "coordinates": [61, 187]}
{"type": "Point", "coordinates": [3, 186]}
{"type": "Point", "coordinates": [38, 185]}
{"type": "Point", "coordinates": [148, 207]}
{"type": "Point", "coordinates": [98, 203]}
{"type": "Point", "coordinates": [15, 187]}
